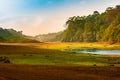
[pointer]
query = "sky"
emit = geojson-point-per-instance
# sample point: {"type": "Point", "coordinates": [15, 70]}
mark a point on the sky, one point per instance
{"type": "Point", "coordinates": [35, 17]}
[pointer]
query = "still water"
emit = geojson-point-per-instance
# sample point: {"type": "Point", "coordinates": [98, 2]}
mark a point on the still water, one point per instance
{"type": "Point", "coordinates": [98, 51]}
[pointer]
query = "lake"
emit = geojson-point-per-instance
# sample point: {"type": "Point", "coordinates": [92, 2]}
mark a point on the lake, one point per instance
{"type": "Point", "coordinates": [97, 51]}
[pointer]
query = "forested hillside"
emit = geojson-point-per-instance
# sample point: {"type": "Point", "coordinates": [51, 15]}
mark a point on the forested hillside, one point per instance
{"type": "Point", "coordinates": [95, 27]}
{"type": "Point", "coordinates": [11, 35]}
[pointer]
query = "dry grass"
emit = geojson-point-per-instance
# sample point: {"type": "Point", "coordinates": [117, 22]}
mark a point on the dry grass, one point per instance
{"type": "Point", "coordinates": [60, 46]}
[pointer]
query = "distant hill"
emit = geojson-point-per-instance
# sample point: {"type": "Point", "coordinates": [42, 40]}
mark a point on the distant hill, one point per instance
{"type": "Point", "coordinates": [94, 28]}
{"type": "Point", "coordinates": [51, 37]}
{"type": "Point", "coordinates": [11, 35]}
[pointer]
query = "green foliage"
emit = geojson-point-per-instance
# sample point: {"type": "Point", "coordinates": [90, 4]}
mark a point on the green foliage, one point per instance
{"type": "Point", "coordinates": [96, 13]}
{"type": "Point", "coordinates": [109, 8]}
{"type": "Point", "coordinates": [118, 6]}
{"type": "Point", "coordinates": [11, 35]}
{"type": "Point", "coordinates": [95, 27]}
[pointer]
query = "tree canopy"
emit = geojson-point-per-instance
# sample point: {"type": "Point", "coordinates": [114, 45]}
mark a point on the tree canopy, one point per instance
{"type": "Point", "coordinates": [95, 27]}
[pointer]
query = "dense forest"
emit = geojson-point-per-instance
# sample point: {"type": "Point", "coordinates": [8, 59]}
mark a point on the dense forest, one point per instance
{"type": "Point", "coordinates": [95, 27]}
{"type": "Point", "coordinates": [11, 35]}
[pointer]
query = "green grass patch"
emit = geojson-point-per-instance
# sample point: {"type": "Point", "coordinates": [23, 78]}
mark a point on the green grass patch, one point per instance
{"type": "Point", "coordinates": [41, 56]}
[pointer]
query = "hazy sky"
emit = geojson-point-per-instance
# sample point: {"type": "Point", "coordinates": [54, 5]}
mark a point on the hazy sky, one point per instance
{"type": "Point", "coordinates": [35, 17]}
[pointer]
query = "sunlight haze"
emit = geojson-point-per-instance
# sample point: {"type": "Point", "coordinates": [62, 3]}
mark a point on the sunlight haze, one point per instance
{"type": "Point", "coordinates": [35, 17]}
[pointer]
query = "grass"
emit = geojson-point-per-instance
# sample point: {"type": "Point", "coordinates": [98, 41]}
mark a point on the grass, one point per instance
{"type": "Point", "coordinates": [62, 46]}
{"type": "Point", "coordinates": [47, 61]}
{"type": "Point", "coordinates": [51, 54]}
